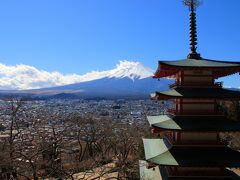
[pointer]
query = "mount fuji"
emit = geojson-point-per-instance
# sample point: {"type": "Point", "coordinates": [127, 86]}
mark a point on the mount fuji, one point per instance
{"type": "Point", "coordinates": [128, 79]}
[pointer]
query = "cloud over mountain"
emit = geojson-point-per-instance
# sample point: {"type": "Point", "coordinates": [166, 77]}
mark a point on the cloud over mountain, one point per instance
{"type": "Point", "coordinates": [28, 77]}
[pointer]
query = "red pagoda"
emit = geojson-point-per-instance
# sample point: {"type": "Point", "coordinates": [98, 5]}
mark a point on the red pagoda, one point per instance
{"type": "Point", "coordinates": [191, 147]}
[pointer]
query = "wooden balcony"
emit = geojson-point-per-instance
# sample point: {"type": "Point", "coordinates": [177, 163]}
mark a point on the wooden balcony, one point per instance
{"type": "Point", "coordinates": [197, 84]}
{"type": "Point", "coordinates": [195, 172]}
{"type": "Point", "coordinates": [171, 142]}
{"type": "Point", "coordinates": [198, 143]}
{"type": "Point", "coordinates": [194, 112]}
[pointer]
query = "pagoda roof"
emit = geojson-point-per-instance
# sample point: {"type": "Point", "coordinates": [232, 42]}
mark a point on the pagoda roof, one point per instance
{"type": "Point", "coordinates": [193, 123]}
{"type": "Point", "coordinates": [197, 93]}
{"type": "Point", "coordinates": [157, 152]}
{"type": "Point", "coordinates": [149, 173]}
{"type": "Point", "coordinates": [170, 68]}
{"type": "Point", "coordinates": [159, 172]}
{"type": "Point", "coordinates": [202, 63]}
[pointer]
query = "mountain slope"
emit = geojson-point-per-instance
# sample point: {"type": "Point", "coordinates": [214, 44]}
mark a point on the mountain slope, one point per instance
{"type": "Point", "coordinates": [112, 87]}
{"type": "Point", "coordinates": [127, 79]}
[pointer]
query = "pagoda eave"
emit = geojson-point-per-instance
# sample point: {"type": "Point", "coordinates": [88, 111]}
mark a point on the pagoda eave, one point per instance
{"type": "Point", "coordinates": [193, 123]}
{"type": "Point", "coordinates": [170, 69]}
{"type": "Point", "coordinates": [165, 174]}
{"type": "Point", "coordinates": [156, 129]}
{"type": "Point", "coordinates": [189, 156]}
{"type": "Point", "coordinates": [159, 96]}
{"type": "Point", "coordinates": [200, 93]}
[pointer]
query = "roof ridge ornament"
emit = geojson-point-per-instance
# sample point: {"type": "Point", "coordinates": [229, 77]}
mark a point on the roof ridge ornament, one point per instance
{"type": "Point", "coordinates": [193, 4]}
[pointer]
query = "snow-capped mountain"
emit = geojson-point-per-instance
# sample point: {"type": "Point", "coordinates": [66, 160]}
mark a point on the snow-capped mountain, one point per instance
{"type": "Point", "coordinates": [128, 69]}
{"type": "Point", "coordinates": [22, 77]}
{"type": "Point", "coordinates": [132, 70]}
{"type": "Point", "coordinates": [127, 79]}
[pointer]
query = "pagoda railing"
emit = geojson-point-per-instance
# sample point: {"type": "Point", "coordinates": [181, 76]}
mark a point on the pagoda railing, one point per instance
{"type": "Point", "coordinates": [199, 143]}
{"type": "Point", "coordinates": [194, 112]}
{"type": "Point", "coordinates": [174, 171]}
{"type": "Point", "coordinates": [170, 140]}
{"type": "Point", "coordinates": [196, 84]}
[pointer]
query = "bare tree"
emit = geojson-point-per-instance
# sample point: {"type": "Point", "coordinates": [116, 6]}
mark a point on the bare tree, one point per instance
{"type": "Point", "coordinates": [11, 111]}
{"type": "Point", "coordinates": [55, 146]}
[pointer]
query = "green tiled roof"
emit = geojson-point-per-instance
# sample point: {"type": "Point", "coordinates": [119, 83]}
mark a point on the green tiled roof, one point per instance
{"type": "Point", "coordinates": [199, 93]}
{"type": "Point", "coordinates": [148, 173]}
{"type": "Point", "coordinates": [201, 63]}
{"type": "Point", "coordinates": [156, 148]}
{"type": "Point", "coordinates": [163, 121]}
{"type": "Point", "coordinates": [190, 156]}
{"type": "Point", "coordinates": [194, 123]}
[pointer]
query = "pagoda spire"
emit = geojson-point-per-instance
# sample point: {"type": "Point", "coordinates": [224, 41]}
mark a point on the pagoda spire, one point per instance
{"type": "Point", "coordinates": [193, 4]}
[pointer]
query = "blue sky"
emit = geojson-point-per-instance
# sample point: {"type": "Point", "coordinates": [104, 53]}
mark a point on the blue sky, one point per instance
{"type": "Point", "coordinates": [77, 36]}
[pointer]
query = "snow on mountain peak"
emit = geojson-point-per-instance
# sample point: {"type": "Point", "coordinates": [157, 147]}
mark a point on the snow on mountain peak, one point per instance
{"type": "Point", "coordinates": [130, 69]}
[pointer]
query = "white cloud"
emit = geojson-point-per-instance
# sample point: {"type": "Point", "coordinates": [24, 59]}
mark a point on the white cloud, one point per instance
{"type": "Point", "coordinates": [28, 77]}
